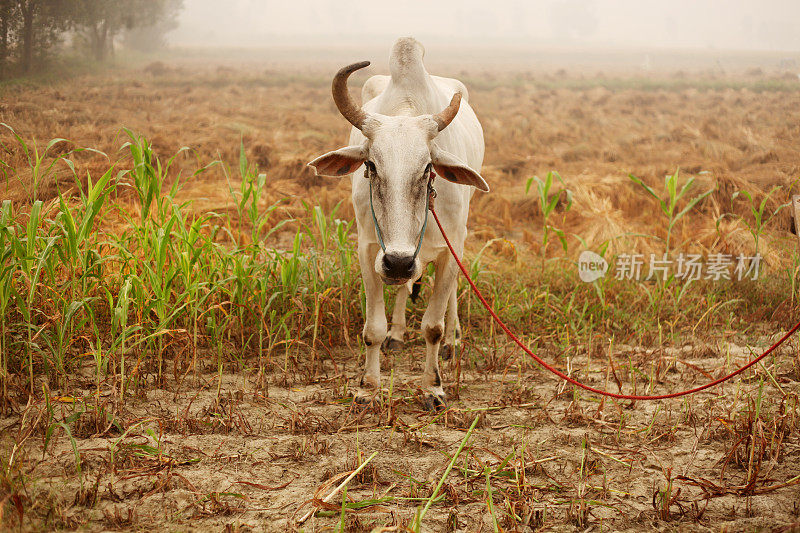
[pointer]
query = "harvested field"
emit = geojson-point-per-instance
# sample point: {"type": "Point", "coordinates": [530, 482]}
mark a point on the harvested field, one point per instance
{"type": "Point", "coordinates": [187, 361]}
{"type": "Point", "coordinates": [736, 132]}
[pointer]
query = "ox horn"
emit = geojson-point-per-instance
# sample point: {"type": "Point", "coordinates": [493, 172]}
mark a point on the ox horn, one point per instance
{"type": "Point", "coordinates": [347, 107]}
{"type": "Point", "coordinates": [446, 115]}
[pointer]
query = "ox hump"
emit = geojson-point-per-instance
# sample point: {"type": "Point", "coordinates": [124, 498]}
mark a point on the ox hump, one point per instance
{"type": "Point", "coordinates": [405, 61]}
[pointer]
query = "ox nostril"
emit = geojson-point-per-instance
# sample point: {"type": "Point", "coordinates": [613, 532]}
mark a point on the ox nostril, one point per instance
{"type": "Point", "coordinates": [398, 266]}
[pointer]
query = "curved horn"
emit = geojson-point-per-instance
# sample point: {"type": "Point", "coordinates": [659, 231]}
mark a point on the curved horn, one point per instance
{"type": "Point", "coordinates": [446, 116]}
{"type": "Point", "coordinates": [349, 110]}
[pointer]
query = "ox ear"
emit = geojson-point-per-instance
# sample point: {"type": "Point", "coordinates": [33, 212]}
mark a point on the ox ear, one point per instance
{"type": "Point", "coordinates": [452, 169]}
{"type": "Point", "coordinates": [340, 162]}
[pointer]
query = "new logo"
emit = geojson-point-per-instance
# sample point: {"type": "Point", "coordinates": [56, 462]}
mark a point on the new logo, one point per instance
{"type": "Point", "coordinates": [591, 266]}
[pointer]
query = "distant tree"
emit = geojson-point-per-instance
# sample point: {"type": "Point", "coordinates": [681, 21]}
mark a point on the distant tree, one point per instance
{"type": "Point", "coordinates": [41, 24]}
{"type": "Point", "coordinates": [28, 9]}
{"type": "Point", "coordinates": [30, 29]}
{"type": "Point", "coordinates": [101, 21]}
{"type": "Point", "coordinates": [153, 36]}
{"type": "Point", "coordinates": [8, 17]}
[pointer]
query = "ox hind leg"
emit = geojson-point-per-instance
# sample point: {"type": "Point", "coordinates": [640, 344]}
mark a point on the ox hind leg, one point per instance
{"type": "Point", "coordinates": [394, 341]}
{"type": "Point", "coordinates": [433, 331]}
{"type": "Point", "coordinates": [374, 324]}
{"type": "Point", "coordinates": [452, 327]}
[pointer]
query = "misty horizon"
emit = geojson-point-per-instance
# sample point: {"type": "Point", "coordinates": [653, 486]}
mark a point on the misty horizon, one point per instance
{"type": "Point", "coordinates": [680, 24]}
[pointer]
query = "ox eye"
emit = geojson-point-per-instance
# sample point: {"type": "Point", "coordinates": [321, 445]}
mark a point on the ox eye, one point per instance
{"type": "Point", "coordinates": [370, 167]}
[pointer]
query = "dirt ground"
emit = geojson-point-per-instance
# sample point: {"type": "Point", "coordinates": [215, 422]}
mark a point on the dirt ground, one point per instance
{"type": "Point", "coordinates": [261, 453]}
{"type": "Point", "coordinates": [559, 460]}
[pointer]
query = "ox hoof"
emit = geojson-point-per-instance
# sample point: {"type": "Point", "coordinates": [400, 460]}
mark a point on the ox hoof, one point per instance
{"type": "Point", "coordinates": [367, 390]}
{"type": "Point", "coordinates": [447, 351]}
{"type": "Point", "coordinates": [392, 345]}
{"type": "Point", "coordinates": [434, 402]}
{"type": "Point", "coordinates": [365, 397]}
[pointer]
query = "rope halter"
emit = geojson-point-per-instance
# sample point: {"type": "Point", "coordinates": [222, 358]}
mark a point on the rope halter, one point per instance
{"type": "Point", "coordinates": [429, 196]}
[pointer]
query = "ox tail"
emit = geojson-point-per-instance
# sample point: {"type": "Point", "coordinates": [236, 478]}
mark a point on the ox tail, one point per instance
{"type": "Point", "coordinates": [415, 290]}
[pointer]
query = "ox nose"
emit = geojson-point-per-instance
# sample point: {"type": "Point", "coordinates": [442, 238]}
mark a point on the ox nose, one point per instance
{"type": "Point", "coordinates": [398, 266]}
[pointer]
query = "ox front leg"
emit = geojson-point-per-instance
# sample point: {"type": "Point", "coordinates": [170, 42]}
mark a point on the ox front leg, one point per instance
{"type": "Point", "coordinates": [433, 331]}
{"type": "Point", "coordinates": [452, 329]}
{"type": "Point", "coordinates": [374, 325]}
{"type": "Point", "coordinates": [397, 333]}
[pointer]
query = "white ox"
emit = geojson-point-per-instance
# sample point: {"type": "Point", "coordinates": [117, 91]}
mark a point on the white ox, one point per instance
{"type": "Point", "coordinates": [410, 122]}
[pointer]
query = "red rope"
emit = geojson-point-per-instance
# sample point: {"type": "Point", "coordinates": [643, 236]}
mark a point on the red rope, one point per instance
{"type": "Point", "coordinates": [578, 383]}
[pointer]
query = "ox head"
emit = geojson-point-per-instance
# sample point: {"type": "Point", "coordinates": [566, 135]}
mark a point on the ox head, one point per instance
{"type": "Point", "coordinates": [398, 155]}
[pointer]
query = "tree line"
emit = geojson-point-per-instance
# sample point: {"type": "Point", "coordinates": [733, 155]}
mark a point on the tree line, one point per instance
{"type": "Point", "coordinates": [32, 30]}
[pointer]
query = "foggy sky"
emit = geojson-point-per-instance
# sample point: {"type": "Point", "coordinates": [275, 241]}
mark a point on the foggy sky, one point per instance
{"type": "Point", "coordinates": [719, 24]}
